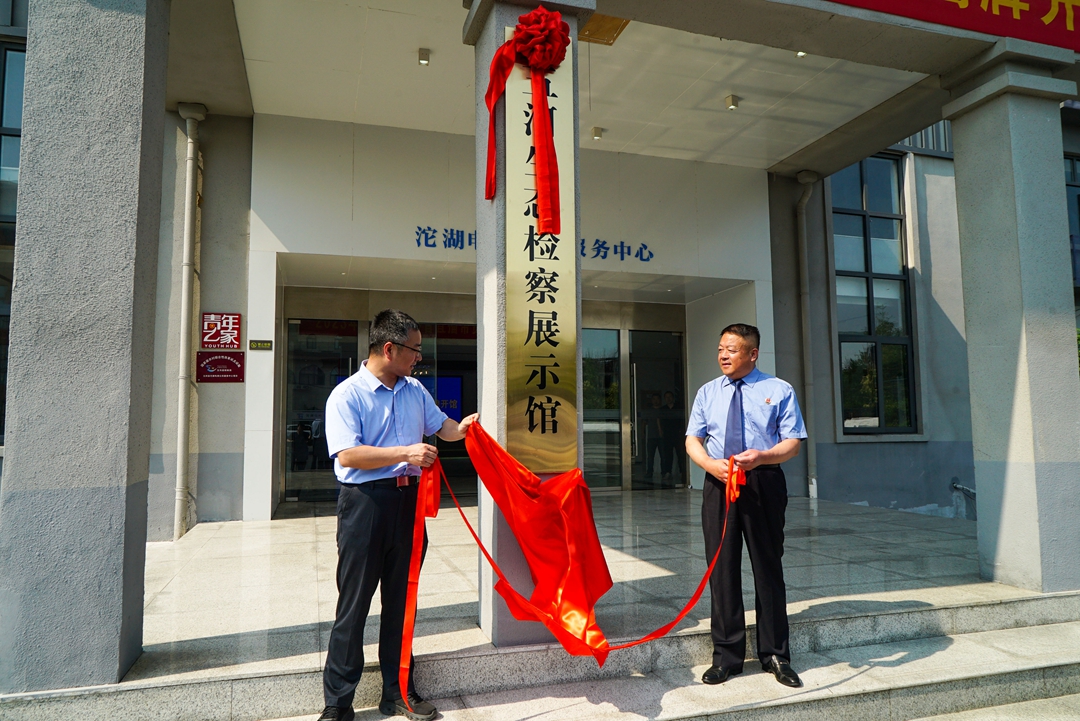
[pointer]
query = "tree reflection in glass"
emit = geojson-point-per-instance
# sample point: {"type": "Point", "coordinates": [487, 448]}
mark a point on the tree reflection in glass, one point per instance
{"type": "Point", "coordinates": [858, 385]}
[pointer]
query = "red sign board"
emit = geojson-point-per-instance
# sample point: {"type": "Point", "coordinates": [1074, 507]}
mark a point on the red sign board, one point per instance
{"type": "Point", "coordinates": [219, 367]}
{"type": "Point", "coordinates": [221, 330]}
{"type": "Point", "coordinates": [1051, 22]}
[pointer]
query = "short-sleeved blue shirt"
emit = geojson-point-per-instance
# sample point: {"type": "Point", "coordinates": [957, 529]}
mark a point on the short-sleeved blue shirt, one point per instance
{"type": "Point", "coordinates": [361, 411]}
{"type": "Point", "coordinates": [770, 413]}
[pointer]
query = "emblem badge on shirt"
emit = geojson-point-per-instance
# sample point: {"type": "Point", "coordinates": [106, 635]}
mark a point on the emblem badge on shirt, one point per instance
{"type": "Point", "coordinates": [768, 401]}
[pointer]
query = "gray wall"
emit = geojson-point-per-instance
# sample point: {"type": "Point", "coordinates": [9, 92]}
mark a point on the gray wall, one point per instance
{"type": "Point", "coordinates": [73, 499]}
{"type": "Point", "coordinates": [217, 410]}
{"type": "Point", "coordinates": [784, 193]}
{"type": "Point", "coordinates": [913, 472]}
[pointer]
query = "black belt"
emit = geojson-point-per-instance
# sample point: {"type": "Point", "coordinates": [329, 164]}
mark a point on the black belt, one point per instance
{"type": "Point", "coordinates": [387, 482]}
{"type": "Point", "coordinates": [768, 465]}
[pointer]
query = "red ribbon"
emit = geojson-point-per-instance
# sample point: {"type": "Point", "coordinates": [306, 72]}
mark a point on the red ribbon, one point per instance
{"type": "Point", "coordinates": [539, 42]}
{"type": "Point", "coordinates": [553, 524]}
{"type": "Point", "coordinates": [427, 506]}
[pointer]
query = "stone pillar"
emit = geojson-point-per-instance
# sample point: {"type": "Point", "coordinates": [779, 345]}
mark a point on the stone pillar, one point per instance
{"type": "Point", "coordinates": [1025, 392]}
{"type": "Point", "coordinates": [261, 487]}
{"type": "Point", "coordinates": [73, 492]}
{"type": "Point", "coordinates": [485, 28]}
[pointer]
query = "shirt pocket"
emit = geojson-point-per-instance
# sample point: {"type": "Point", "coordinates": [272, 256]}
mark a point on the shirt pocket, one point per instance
{"type": "Point", "coordinates": [769, 417]}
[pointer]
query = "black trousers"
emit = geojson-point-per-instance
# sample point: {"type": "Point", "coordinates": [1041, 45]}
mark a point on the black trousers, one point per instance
{"type": "Point", "coordinates": [374, 536]}
{"type": "Point", "coordinates": [758, 516]}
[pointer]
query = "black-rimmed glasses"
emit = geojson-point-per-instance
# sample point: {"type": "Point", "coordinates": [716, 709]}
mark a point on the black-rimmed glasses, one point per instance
{"type": "Point", "coordinates": [417, 351]}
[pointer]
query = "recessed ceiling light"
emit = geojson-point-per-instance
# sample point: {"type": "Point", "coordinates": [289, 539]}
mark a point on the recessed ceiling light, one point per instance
{"type": "Point", "coordinates": [425, 56]}
{"type": "Point", "coordinates": [343, 273]}
{"type": "Point", "coordinates": [732, 102]}
{"type": "Point", "coordinates": [597, 133]}
{"type": "Point", "coordinates": [800, 54]}
{"type": "Point", "coordinates": [433, 277]}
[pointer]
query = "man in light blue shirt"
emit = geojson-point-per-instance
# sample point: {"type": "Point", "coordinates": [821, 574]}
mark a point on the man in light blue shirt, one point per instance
{"type": "Point", "coordinates": [376, 421]}
{"type": "Point", "coordinates": [754, 418]}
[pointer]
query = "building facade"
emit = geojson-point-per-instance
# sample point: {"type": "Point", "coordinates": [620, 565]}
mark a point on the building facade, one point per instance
{"type": "Point", "coordinates": [758, 169]}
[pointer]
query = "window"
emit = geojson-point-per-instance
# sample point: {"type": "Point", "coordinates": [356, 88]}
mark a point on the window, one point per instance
{"type": "Point", "coordinates": [1072, 191]}
{"type": "Point", "coordinates": [935, 140]}
{"type": "Point", "coordinates": [12, 64]}
{"type": "Point", "coordinates": [873, 313]}
{"type": "Point", "coordinates": [13, 13]}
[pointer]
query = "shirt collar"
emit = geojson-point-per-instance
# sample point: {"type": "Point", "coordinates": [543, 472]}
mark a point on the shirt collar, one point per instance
{"type": "Point", "coordinates": [374, 384]}
{"type": "Point", "coordinates": [749, 379]}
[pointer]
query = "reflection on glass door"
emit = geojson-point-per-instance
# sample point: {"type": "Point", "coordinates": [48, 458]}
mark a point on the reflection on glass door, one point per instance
{"type": "Point", "coordinates": [601, 422]}
{"type": "Point", "coordinates": [658, 410]}
{"type": "Point", "coordinates": [448, 371]}
{"type": "Point", "coordinates": [321, 354]}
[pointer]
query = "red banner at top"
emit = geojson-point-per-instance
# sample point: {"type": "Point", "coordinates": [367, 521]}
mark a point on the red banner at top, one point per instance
{"type": "Point", "coordinates": [1050, 22]}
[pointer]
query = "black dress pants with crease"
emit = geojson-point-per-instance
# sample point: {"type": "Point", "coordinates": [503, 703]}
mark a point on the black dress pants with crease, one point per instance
{"type": "Point", "coordinates": [758, 516]}
{"type": "Point", "coordinates": [374, 536]}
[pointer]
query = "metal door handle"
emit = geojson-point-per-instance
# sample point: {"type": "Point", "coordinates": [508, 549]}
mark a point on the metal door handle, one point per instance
{"type": "Point", "coordinates": [633, 410]}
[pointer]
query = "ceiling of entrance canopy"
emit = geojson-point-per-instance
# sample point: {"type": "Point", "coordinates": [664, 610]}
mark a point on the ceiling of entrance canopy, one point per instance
{"type": "Point", "coordinates": [656, 91]}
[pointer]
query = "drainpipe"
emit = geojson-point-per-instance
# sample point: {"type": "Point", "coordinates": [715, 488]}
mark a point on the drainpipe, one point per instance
{"type": "Point", "coordinates": [192, 113]}
{"type": "Point", "coordinates": [807, 178]}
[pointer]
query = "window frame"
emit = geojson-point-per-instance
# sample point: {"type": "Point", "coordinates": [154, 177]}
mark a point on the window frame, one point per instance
{"type": "Point", "coordinates": [5, 131]}
{"type": "Point", "coordinates": [914, 430]}
{"type": "Point", "coordinates": [1074, 240]}
{"type": "Point", "coordinates": [7, 43]}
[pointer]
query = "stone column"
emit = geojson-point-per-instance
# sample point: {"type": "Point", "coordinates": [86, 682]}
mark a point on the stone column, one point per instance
{"type": "Point", "coordinates": [73, 492]}
{"type": "Point", "coordinates": [485, 29]}
{"type": "Point", "coordinates": [261, 487]}
{"type": "Point", "coordinates": [1025, 390]}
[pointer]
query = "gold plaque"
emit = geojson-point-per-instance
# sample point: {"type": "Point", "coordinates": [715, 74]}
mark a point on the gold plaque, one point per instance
{"type": "Point", "coordinates": [541, 284]}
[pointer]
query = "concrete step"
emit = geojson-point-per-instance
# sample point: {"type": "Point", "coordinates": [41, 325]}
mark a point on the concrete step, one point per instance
{"type": "Point", "coordinates": [1062, 708]}
{"type": "Point", "coordinates": [485, 669]}
{"type": "Point", "coordinates": [972, 676]}
{"type": "Point", "coordinates": [851, 623]}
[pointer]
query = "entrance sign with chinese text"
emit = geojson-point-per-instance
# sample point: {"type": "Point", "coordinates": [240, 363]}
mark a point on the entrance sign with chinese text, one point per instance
{"type": "Point", "coordinates": [541, 282]}
{"type": "Point", "coordinates": [221, 330]}
{"type": "Point", "coordinates": [1050, 22]}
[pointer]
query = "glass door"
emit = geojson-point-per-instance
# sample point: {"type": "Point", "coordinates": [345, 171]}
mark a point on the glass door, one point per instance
{"type": "Point", "coordinates": [321, 354]}
{"type": "Point", "coordinates": [601, 408]}
{"type": "Point", "coordinates": [658, 410]}
{"type": "Point", "coordinates": [448, 371]}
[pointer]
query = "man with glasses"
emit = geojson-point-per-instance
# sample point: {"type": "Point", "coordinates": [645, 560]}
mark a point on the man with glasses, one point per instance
{"type": "Point", "coordinates": [376, 421]}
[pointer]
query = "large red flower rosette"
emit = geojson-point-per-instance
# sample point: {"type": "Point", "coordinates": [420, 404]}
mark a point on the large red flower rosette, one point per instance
{"type": "Point", "coordinates": [540, 39]}
{"type": "Point", "coordinates": [539, 42]}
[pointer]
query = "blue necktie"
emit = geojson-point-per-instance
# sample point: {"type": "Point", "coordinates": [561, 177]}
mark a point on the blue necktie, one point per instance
{"type": "Point", "coordinates": [733, 433]}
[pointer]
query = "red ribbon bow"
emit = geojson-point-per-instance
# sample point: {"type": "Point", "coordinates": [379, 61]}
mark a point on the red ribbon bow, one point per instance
{"type": "Point", "coordinates": [736, 477]}
{"type": "Point", "coordinates": [540, 41]}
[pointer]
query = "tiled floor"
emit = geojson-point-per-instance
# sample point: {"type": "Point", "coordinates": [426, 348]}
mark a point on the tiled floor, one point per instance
{"type": "Point", "coordinates": [259, 596]}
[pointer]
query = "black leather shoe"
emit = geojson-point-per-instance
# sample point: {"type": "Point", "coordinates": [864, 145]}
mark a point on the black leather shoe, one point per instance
{"type": "Point", "coordinates": [718, 674]}
{"type": "Point", "coordinates": [337, 713]}
{"type": "Point", "coordinates": [421, 709]}
{"type": "Point", "coordinates": [782, 671]}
